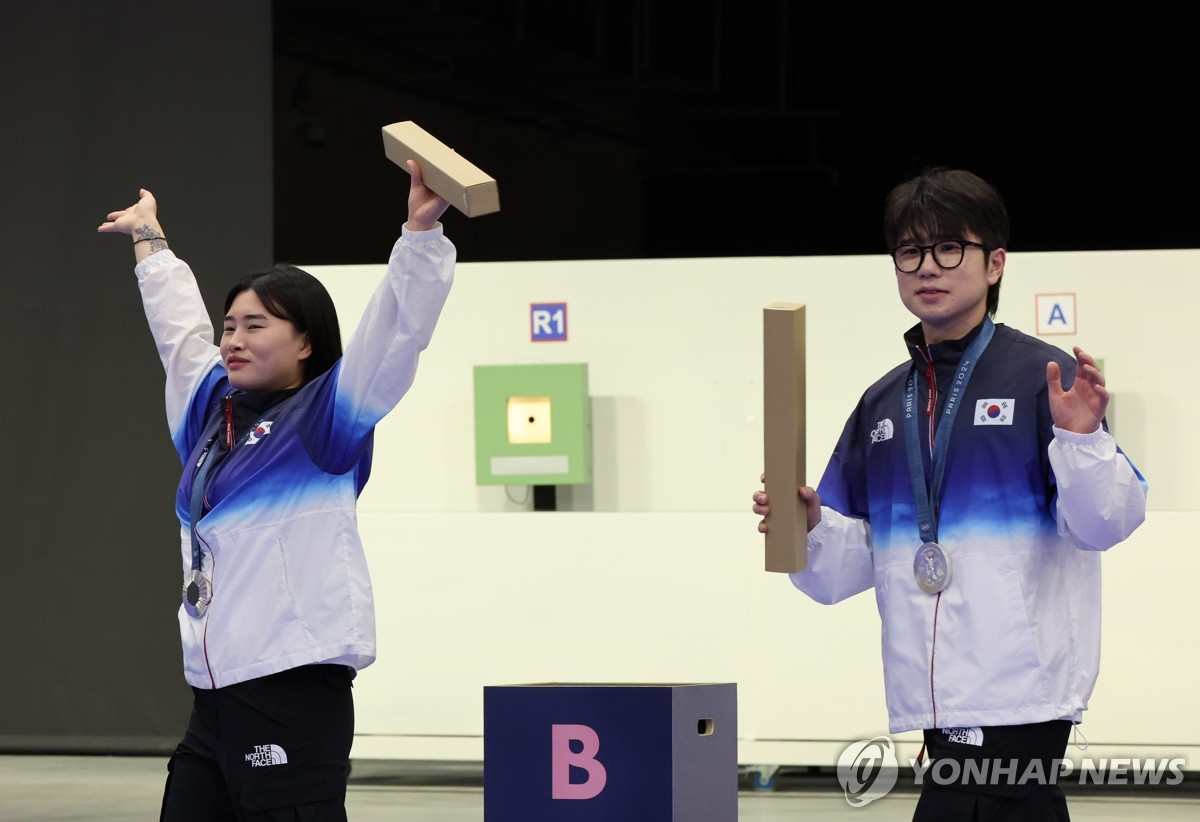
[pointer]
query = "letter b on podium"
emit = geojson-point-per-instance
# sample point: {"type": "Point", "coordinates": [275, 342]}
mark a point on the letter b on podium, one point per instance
{"type": "Point", "coordinates": [562, 758]}
{"type": "Point", "coordinates": [555, 752]}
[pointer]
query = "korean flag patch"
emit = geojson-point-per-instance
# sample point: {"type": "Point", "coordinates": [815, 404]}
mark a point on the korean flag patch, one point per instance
{"type": "Point", "coordinates": [994, 412]}
{"type": "Point", "coordinates": [260, 431]}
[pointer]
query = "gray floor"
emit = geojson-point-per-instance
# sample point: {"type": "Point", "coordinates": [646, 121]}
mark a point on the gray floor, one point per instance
{"type": "Point", "coordinates": [39, 788]}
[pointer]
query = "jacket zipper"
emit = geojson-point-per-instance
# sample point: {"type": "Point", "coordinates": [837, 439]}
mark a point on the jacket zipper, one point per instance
{"type": "Point", "coordinates": [930, 409]}
{"type": "Point", "coordinates": [228, 447]}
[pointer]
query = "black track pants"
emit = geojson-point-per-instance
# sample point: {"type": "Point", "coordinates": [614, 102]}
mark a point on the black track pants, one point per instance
{"type": "Point", "coordinates": [268, 750]}
{"type": "Point", "coordinates": [1025, 752]}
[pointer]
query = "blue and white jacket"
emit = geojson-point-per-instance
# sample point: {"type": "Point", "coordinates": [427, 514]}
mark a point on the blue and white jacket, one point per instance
{"type": "Point", "coordinates": [1026, 508]}
{"type": "Point", "coordinates": [280, 542]}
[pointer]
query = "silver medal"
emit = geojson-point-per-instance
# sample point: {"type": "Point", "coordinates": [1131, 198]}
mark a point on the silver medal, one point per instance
{"type": "Point", "coordinates": [197, 593]}
{"type": "Point", "coordinates": [931, 567]}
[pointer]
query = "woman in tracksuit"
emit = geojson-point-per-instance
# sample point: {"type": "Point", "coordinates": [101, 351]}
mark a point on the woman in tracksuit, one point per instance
{"type": "Point", "coordinates": [274, 427]}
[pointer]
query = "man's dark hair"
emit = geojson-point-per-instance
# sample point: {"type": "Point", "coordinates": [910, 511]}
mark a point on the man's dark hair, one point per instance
{"type": "Point", "coordinates": [945, 204]}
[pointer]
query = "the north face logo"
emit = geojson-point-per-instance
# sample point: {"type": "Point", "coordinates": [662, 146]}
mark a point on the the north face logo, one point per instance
{"type": "Point", "coordinates": [264, 755]}
{"type": "Point", "coordinates": [883, 431]}
{"type": "Point", "coordinates": [964, 736]}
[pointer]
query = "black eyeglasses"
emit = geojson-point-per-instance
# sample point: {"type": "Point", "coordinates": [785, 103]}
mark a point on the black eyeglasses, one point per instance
{"type": "Point", "coordinates": [947, 254]}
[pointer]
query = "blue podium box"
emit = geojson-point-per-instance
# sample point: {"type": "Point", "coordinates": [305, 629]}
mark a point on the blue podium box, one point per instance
{"type": "Point", "coordinates": [565, 752]}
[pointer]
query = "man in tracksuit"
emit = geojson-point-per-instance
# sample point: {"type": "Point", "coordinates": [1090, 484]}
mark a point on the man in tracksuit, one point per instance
{"type": "Point", "coordinates": [974, 487]}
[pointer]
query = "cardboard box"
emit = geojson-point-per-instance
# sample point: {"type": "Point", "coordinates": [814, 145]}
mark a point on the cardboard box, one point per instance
{"type": "Point", "coordinates": [560, 752]}
{"type": "Point", "coordinates": [783, 435]}
{"type": "Point", "coordinates": [464, 185]}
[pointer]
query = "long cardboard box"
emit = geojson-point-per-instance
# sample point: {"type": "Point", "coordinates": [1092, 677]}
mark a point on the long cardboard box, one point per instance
{"type": "Point", "coordinates": [444, 170]}
{"type": "Point", "coordinates": [783, 435]}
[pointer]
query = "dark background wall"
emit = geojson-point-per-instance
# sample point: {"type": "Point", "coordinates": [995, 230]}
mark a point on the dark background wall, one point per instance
{"type": "Point", "coordinates": [650, 128]}
{"type": "Point", "coordinates": [616, 129]}
{"type": "Point", "coordinates": [97, 100]}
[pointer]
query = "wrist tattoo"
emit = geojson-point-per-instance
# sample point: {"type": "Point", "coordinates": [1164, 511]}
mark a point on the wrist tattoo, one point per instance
{"type": "Point", "coordinates": [145, 234]}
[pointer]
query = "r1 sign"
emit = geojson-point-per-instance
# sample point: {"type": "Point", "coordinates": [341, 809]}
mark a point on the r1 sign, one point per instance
{"type": "Point", "coordinates": [548, 322]}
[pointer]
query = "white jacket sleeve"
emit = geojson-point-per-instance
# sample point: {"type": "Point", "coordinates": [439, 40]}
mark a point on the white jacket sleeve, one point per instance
{"type": "Point", "coordinates": [380, 360]}
{"type": "Point", "coordinates": [1101, 496]}
{"type": "Point", "coordinates": [840, 561]}
{"type": "Point", "coordinates": [182, 329]}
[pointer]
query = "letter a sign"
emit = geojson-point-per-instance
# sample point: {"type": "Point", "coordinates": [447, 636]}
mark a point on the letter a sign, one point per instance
{"type": "Point", "coordinates": [563, 757]}
{"type": "Point", "coordinates": [1055, 314]}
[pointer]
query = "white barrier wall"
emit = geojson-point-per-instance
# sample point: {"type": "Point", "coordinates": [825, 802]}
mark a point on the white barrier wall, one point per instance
{"type": "Point", "coordinates": [653, 572]}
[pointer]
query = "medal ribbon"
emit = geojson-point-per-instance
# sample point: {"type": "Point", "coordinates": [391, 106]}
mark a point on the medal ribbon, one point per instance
{"type": "Point", "coordinates": [926, 496]}
{"type": "Point", "coordinates": [200, 481]}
